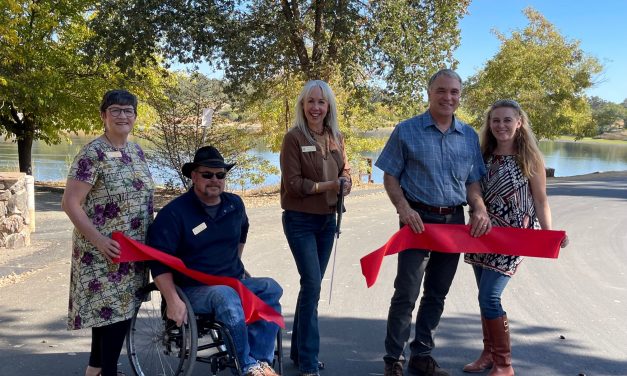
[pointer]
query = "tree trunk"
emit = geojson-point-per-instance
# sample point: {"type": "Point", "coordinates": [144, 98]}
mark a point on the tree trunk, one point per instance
{"type": "Point", "coordinates": [25, 152]}
{"type": "Point", "coordinates": [287, 115]}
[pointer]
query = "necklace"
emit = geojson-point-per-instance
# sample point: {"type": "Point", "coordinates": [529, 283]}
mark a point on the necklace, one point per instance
{"type": "Point", "coordinates": [318, 133]}
{"type": "Point", "coordinates": [113, 146]}
{"type": "Point", "coordinates": [323, 143]}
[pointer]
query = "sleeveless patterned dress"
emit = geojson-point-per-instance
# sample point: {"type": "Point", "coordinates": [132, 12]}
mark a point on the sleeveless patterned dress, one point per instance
{"type": "Point", "coordinates": [507, 195]}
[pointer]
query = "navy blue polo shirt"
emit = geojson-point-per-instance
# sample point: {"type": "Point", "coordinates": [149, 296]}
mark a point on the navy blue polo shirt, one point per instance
{"type": "Point", "coordinates": [210, 245]}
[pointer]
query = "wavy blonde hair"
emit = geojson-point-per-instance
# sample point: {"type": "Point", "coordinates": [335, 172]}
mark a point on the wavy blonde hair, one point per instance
{"type": "Point", "coordinates": [330, 120]}
{"type": "Point", "coordinates": [529, 155]}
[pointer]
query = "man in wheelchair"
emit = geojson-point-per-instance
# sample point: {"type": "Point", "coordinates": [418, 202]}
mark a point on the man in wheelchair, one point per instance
{"type": "Point", "coordinates": [207, 228]}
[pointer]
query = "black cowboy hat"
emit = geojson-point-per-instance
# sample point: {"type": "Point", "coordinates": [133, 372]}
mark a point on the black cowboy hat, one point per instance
{"type": "Point", "coordinates": [207, 156]}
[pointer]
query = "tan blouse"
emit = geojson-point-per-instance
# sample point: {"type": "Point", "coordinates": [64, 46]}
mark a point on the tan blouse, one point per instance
{"type": "Point", "coordinates": [303, 165]}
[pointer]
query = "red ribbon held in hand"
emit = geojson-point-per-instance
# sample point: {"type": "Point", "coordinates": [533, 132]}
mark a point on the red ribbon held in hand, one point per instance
{"type": "Point", "coordinates": [449, 238]}
{"type": "Point", "coordinates": [254, 308]}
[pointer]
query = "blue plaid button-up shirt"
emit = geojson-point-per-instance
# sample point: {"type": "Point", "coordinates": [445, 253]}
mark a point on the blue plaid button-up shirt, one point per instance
{"type": "Point", "coordinates": [433, 167]}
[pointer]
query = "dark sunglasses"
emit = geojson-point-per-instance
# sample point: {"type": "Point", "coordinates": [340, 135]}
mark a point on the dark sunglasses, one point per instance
{"type": "Point", "coordinates": [208, 175]}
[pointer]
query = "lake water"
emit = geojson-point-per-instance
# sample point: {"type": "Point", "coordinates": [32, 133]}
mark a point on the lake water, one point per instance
{"type": "Point", "coordinates": [51, 162]}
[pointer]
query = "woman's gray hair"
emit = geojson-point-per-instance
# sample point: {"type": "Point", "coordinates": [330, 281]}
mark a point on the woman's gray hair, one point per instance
{"type": "Point", "coordinates": [445, 72]}
{"type": "Point", "coordinates": [330, 120]}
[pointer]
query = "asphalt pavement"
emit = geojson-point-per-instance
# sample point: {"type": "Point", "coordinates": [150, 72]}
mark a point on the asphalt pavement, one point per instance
{"type": "Point", "coordinates": [567, 316]}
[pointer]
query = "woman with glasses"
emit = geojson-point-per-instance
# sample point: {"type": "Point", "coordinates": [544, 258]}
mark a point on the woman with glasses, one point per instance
{"type": "Point", "coordinates": [313, 160]}
{"type": "Point", "coordinates": [514, 191]}
{"type": "Point", "coordinates": [109, 188]}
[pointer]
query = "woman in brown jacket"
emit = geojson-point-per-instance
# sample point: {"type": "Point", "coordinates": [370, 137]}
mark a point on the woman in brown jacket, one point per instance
{"type": "Point", "coordinates": [313, 160]}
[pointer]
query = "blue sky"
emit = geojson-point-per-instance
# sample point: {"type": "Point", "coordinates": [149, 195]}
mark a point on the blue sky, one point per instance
{"type": "Point", "coordinates": [599, 26]}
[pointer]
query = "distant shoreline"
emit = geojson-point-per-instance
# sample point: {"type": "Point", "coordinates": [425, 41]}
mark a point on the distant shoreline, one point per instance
{"type": "Point", "coordinates": [270, 195]}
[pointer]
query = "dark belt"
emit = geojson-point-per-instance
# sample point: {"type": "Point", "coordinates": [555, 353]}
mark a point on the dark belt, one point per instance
{"type": "Point", "coordinates": [442, 210]}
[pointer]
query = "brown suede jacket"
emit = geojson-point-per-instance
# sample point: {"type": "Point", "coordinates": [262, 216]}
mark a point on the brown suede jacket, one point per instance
{"type": "Point", "coordinates": [302, 168]}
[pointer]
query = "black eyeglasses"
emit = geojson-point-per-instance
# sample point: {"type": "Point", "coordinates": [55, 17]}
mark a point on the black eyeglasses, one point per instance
{"type": "Point", "coordinates": [208, 175]}
{"type": "Point", "coordinates": [117, 112]}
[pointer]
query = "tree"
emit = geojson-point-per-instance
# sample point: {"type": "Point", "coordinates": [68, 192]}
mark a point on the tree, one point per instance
{"type": "Point", "coordinates": [607, 115]}
{"type": "Point", "coordinates": [260, 43]}
{"type": "Point", "coordinates": [546, 73]}
{"type": "Point", "coordinates": [268, 49]}
{"type": "Point", "coordinates": [47, 83]}
{"type": "Point", "coordinates": [181, 128]}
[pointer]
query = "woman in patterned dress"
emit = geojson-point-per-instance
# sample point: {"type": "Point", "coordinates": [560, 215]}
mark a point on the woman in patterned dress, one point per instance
{"type": "Point", "coordinates": [514, 190]}
{"type": "Point", "coordinates": [109, 188]}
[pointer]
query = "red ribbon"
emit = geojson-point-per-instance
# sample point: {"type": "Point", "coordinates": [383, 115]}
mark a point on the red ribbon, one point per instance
{"type": "Point", "coordinates": [254, 308]}
{"type": "Point", "coordinates": [448, 238]}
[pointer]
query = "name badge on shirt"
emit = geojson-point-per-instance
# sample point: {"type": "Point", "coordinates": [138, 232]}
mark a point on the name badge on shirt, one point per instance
{"type": "Point", "coordinates": [114, 154]}
{"type": "Point", "coordinates": [200, 228]}
{"type": "Point", "coordinates": [308, 149]}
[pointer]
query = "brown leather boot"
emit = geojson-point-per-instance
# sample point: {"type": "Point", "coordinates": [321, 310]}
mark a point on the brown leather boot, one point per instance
{"type": "Point", "coordinates": [498, 331]}
{"type": "Point", "coordinates": [485, 359]}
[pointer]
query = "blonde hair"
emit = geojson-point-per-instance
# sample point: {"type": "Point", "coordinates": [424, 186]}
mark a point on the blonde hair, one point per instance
{"type": "Point", "coordinates": [529, 155]}
{"type": "Point", "coordinates": [330, 120]}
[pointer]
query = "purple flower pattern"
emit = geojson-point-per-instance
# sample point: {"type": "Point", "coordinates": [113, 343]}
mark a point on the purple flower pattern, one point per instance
{"type": "Point", "coordinates": [98, 295]}
{"type": "Point", "coordinates": [87, 258]}
{"type": "Point", "coordinates": [101, 154]}
{"type": "Point", "coordinates": [98, 216]}
{"type": "Point", "coordinates": [126, 159]}
{"type": "Point", "coordinates": [140, 153]}
{"type": "Point", "coordinates": [114, 277]}
{"type": "Point", "coordinates": [111, 210]}
{"type": "Point", "coordinates": [105, 313]}
{"type": "Point", "coordinates": [138, 184]}
{"type": "Point", "coordinates": [136, 223]}
{"type": "Point", "coordinates": [124, 269]}
{"type": "Point", "coordinates": [83, 172]}
{"type": "Point", "coordinates": [94, 285]}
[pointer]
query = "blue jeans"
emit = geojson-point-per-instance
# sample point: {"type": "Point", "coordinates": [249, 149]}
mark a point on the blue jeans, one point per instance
{"type": "Point", "coordinates": [254, 342]}
{"type": "Point", "coordinates": [310, 237]}
{"type": "Point", "coordinates": [438, 270]}
{"type": "Point", "coordinates": [491, 285]}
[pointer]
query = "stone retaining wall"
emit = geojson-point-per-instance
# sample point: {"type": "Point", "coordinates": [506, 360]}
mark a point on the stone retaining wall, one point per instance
{"type": "Point", "coordinates": [14, 211]}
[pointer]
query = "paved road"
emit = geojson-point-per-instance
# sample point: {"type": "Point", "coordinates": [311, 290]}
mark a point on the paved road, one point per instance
{"type": "Point", "coordinates": [567, 316]}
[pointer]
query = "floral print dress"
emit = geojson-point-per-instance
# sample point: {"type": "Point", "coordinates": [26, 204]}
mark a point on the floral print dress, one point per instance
{"type": "Point", "coordinates": [507, 195]}
{"type": "Point", "coordinates": [121, 199]}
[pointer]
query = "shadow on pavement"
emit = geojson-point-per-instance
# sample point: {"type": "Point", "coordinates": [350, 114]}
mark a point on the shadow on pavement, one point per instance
{"type": "Point", "coordinates": [355, 346]}
{"type": "Point", "coordinates": [349, 346]}
{"type": "Point", "coordinates": [47, 200]}
{"type": "Point", "coordinates": [605, 187]}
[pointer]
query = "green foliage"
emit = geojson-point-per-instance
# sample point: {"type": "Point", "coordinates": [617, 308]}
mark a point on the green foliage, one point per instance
{"type": "Point", "coordinates": [47, 84]}
{"type": "Point", "coordinates": [398, 42]}
{"type": "Point", "coordinates": [389, 46]}
{"type": "Point", "coordinates": [42, 76]}
{"type": "Point", "coordinates": [179, 129]}
{"type": "Point", "coordinates": [607, 115]}
{"type": "Point", "coordinates": [356, 117]}
{"type": "Point", "coordinates": [546, 73]}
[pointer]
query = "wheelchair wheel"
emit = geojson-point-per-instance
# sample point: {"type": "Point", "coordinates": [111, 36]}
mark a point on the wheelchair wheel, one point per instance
{"type": "Point", "coordinates": [155, 345]}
